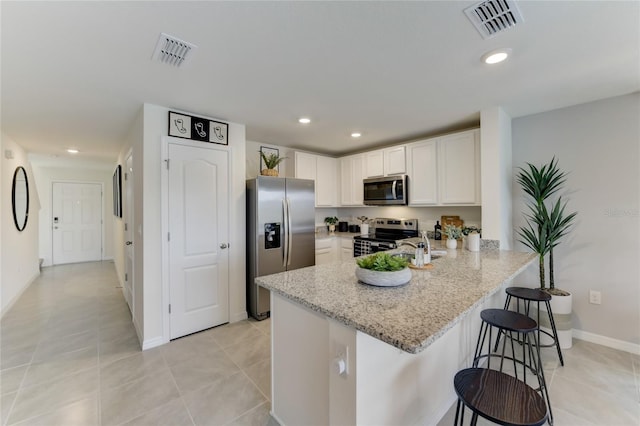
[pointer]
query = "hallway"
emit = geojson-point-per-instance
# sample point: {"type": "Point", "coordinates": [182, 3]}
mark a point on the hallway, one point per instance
{"type": "Point", "coordinates": [70, 356]}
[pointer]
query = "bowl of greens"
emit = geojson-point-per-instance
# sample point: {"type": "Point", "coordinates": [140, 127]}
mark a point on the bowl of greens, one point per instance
{"type": "Point", "coordinates": [383, 270]}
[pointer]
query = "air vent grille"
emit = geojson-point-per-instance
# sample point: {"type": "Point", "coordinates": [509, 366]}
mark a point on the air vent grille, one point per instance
{"type": "Point", "coordinates": [494, 16]}
{"type": "Point", "coordinates": [173, 51]}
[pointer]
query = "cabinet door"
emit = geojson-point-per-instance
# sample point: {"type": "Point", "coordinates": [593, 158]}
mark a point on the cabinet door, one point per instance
{"type": "Point", "coordinates": [352, 173]}
{"type": "Point", "coordinates": [394, 161]}
{"type": "Point", "coordinates": [305, 166]}
{"type": "Point", "coordinates": [375, 163]}
{"type": "Point", "coordinates": [423, 173]}
{"type": "Point", "coordinates": [459, 155]}
{"type": "Point", "coordinates": [346, 248]}
{"type": "Point", "coordinates": [326, 181]}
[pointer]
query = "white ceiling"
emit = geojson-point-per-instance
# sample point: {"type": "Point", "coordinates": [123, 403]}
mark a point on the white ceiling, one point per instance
{"type": "Point", "coordinates": [74, 74]}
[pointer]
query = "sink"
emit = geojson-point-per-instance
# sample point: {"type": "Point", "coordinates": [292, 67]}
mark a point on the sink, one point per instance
{"type": "Point", "coordinates": [409, 256]}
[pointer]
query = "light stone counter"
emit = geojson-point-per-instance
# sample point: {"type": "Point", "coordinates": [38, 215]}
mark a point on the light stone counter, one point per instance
{"type": "Point", "coordinates": [410, 317]}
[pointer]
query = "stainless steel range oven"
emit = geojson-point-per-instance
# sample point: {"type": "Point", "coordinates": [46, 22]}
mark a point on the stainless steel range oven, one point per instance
{"type": "Point", "coordinates": [386, 232]}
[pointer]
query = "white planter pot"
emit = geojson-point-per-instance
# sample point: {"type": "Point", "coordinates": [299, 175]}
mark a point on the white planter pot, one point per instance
{"type": "Point", "coordinates": [452, 244]}
{"type": "Point", "coordinates": [383, 278]}
{"type": "Point", "coordinates": [561, 306]}
{"type": "Point", "coordinates": [473, 242]}
{"type": "Point", "coordinates": [364, 229]}
{"type": "Point", "coordinates": [332, 228]}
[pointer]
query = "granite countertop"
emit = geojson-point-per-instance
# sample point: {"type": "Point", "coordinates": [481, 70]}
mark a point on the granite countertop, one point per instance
{"type": "Point", "coordinates": [411, 316]}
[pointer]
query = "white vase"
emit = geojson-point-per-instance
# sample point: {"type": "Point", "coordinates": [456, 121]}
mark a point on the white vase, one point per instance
{"type": "Point", "coordinates": [332, 228]}
{"type": "Point", "coordinates": [561, 307]}
{"type": "Point", "coordinates": [364, 229]}
{"type": "Point", "coordinates": [451, 243]}
{"type": "Point", "coordinates": [473, 242]}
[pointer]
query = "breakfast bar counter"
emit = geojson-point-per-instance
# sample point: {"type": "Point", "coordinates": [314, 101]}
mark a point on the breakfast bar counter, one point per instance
{"type": "Point", "coordinates": [344, 352]}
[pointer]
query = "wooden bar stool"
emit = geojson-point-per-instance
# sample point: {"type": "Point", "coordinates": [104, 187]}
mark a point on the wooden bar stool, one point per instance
{"type": "Point", "coordinates": [528, 295]}
{"type": "Point", "coordinates": [499, 396]}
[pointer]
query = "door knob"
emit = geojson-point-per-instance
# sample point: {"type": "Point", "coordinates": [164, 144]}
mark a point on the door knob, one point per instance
{"type": "Point", "coordinates": [129, 243]}
{"type": "Point", "coordinates": [223, 246]}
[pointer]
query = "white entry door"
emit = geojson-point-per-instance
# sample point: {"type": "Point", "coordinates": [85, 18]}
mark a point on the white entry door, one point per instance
{"type": "Point", "coordinates": [77, 222]}
{"type": "Point", "coordinates": [198, 238]}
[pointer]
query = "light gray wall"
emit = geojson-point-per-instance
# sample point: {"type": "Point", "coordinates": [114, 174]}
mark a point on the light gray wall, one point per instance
{"type": "Point", "coordinates": [19, 260]}
{"type": "Point", "coordinates": [598, 144]}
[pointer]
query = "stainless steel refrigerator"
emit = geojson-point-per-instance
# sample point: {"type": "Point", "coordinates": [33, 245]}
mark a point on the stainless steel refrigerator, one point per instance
{"type": "Point", "coordinates": [280, 233]}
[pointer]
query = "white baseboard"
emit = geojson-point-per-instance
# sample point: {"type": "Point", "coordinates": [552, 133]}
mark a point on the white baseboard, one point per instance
{"type": "Point", "coordinates": [620, 345]}
{"type": "Point", "coordinates": [153, 343]}
{"type": "Point", "coordinates": [238, 316]}
{"type": "Point", "coordinates": [20, 293]}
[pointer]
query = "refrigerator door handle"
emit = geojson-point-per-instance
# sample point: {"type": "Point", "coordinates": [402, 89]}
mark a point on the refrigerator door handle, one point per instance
{"type": "Point", "coordinates": [285, 214]}
{"type": "Point", "coordinates": [289, 232]}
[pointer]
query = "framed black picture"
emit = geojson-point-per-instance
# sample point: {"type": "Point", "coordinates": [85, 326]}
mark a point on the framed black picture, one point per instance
{"type": "Point", "coordinates": [117, 191]}
{"type": "Point", "coordinates": [197, 128]}
{"type": "Point", "coordinates": [267, 151]}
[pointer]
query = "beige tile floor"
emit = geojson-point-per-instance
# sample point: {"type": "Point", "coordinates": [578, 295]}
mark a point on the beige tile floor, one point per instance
{"type": "Point", "coordinates": [70, 356]}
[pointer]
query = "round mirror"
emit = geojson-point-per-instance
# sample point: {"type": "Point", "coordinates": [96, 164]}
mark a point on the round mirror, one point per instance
{"type": "Point", "coordinates": [20, 198]}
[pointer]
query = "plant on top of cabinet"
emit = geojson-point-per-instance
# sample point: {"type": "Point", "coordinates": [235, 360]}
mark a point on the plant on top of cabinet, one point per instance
{"type": "Point", "coordinates": [271, 161]}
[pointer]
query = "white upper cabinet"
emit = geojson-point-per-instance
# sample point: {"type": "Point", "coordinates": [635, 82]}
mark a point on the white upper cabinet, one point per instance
{"type": "Point", "coordinates": [395, 161]}
{"type": "Point", "coordinates": [423, 172]}
{"type": "Point", "coordinates": [324, 171]}
{"type": "Point", "coordinates": [459, 174]}
{"type": "Point", "coordinates": [386, 162]}
{"type": "Point", "coordinates": [326, 181]}
{"type": "Point", "coordinates": [445, 170]}
{"type": "Point", "coordinates": [352, 172]}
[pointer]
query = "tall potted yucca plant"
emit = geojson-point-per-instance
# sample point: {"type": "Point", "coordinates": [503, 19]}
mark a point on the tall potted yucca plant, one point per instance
{"type": "Point", "coordinates": [543, 232]}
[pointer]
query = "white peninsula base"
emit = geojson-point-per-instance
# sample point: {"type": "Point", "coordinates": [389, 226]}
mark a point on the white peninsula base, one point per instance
{"type": "Point", "coordinates": [382, 385]}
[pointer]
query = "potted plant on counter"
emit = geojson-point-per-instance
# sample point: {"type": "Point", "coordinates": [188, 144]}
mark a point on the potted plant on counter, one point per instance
{"type": "Point", "coordinates": [331, 222]}
{"type": "Point", "coordinates": [452, 232]}
{"type": "Point", "coordinates": [364, 225]}
{"type": "Point", "coordinates": [270, 161]}
{"type": "Point", "coordinates": [383, 269]}
{"type": "Point", "coordinates": [545, 227]}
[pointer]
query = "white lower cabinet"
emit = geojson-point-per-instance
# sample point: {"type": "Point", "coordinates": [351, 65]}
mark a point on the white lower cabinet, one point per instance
{"type": "Point", "coordinates": [326, 250]}
{"type": "Point", "coordinates": [346, 248]}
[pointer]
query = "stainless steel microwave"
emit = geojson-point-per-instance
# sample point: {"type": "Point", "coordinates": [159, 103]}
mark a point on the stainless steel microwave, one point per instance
{"type": "Point", "coordinates": [386, 191]}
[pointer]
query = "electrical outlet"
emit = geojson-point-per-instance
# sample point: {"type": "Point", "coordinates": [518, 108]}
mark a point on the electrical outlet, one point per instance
{"type": "Point", "coordinates": [595, 297]}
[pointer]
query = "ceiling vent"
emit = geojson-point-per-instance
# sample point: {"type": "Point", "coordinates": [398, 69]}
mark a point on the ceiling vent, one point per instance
{"type": "Point", "coordinates": [494, 16]}
{"type": "Point", "coordinates": [173, 51]}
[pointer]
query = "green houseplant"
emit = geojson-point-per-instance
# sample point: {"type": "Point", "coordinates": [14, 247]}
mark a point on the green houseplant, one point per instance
{"type": "Point", "coordinates": [545, 227]}
{"type": "Point", "coordinates": [270, 161]}
{"type": "Point", "coordinates": [331, 222]}
{"type": "Point", "coordinates": [383, 270]}
{"type": "Point", "coordinates": [453, 233]}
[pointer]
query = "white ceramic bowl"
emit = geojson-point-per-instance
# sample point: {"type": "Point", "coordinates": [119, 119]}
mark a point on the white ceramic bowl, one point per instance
{"type": "Point", "coordinates": [383, 278]}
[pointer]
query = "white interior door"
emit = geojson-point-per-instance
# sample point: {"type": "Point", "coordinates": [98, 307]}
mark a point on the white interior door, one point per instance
{"type": "Point", "coordinates": [127, 211]}
{"type": "Point", "coordinates": [77, 222]}
{"type": "Point", "coordinates": [198, 238]}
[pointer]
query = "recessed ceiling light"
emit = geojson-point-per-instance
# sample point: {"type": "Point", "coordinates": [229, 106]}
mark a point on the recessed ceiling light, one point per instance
{"type": "Point", "coordinates": [304, 120]}
{"type": "Point", "coordinates": [356, 135]}
{"type": "Point", "coordinates": [496, 56]}
{"type": "Point", "coordinates": [72, 151]}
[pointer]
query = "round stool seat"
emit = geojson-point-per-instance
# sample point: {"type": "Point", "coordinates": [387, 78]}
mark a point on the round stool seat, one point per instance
{"type": "Point", "coordinates": [509, 320]}
{"type": "Point", "coordinates": [533, 294]}
{"type": "Point", "coordinates": [484, 391]}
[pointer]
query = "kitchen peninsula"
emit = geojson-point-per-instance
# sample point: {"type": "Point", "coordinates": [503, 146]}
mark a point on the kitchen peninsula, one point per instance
{"type": "Point", "coordinates": [347, 353]}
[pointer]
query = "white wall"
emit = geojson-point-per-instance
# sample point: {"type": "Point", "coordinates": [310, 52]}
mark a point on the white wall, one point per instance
{"type": "Point", "coordinates": [598, 145]}
{"type": "Point", "coordinates": [496, 153]}
{"type": "Point", "coordinates": [147, 168]}
{"type": "Point", "coordinates": [45, 176]}
{"type": "Point", "coordinates": [18, 250]}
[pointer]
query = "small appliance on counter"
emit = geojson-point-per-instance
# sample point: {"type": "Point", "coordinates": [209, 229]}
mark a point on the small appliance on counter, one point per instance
{"type": "Point", "coordinates": [387, 232]}
{"type": "Point", "coordinates": [343, 226]}
{"type": "Point", "coordinates": [354, 228]}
